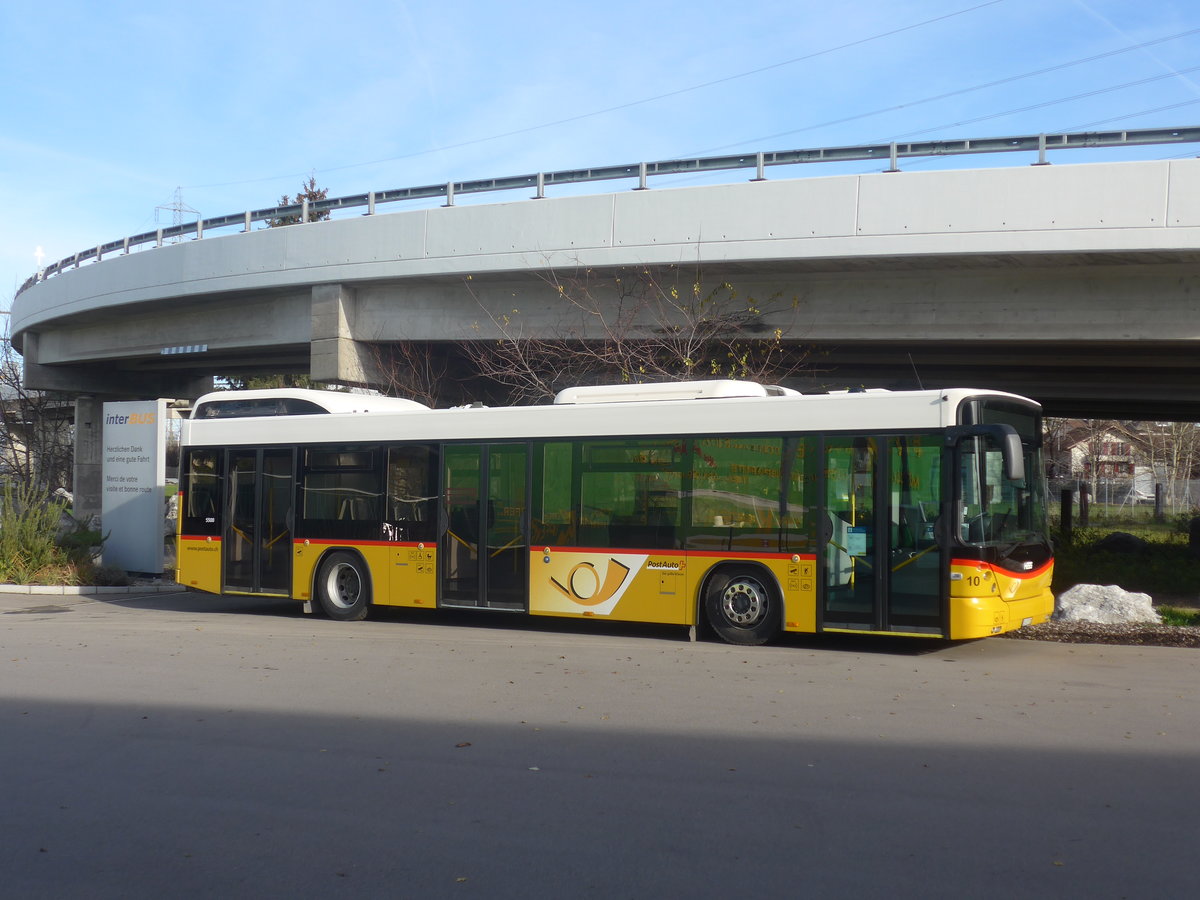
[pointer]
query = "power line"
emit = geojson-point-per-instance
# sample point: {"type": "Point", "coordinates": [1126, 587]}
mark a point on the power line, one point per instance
{"type": "Point", "coordinates": [1133, 115]}
{"type": "Point", "coordinates": [631, 103]}
{"type": "Point", "coordinates": [1044, 104]}
{"type": "Point", "coordinates": [956, 93]}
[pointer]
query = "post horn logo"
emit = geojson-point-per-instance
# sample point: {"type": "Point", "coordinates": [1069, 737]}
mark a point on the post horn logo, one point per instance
{"type": "Point", "coordinates": [587, 587]}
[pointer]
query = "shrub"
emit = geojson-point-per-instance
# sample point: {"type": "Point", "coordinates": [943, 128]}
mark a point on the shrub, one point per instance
{"type": "Point", "coordinates": [41, 544]}
{"type": "Point", "coordinates": [29, 553]}
{"type": "Point", "coordinates": [1182, 523]}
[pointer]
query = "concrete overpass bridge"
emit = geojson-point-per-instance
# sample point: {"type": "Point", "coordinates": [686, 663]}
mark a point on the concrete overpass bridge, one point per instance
{"type": "Point", "coordinates": [1078, 285]}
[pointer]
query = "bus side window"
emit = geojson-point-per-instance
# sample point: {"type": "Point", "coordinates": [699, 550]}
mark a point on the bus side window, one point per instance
{"type": "Point", "coordinates": [630, 493]}
{"type": "Point", "coordinates": [341, 492]}
{"type": "Point", "coordinates": [411, 475]}
{"type": "Point", "coordinates": [202, 491]}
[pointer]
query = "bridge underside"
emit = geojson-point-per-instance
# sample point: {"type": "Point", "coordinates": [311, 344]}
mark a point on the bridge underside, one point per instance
{"type": "Point", "coordinates": [1108, 380]}
{"type": "Point", "coordinates": [1104, 380]}
{"type": "Point", "coordinates": [1157, 382]}
{"type": "Point", "coordinates": [1086, 337]}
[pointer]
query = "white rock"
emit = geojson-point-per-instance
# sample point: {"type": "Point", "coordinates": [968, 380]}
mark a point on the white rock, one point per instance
{"type": "Point", "coordinates": [1105, 605]}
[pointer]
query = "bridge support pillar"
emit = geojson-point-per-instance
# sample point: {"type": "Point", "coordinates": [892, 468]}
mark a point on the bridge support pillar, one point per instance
{"type": "Point", "coordinates": [335, 354]}
{"type": "Point", "coordinates": [89, 457]}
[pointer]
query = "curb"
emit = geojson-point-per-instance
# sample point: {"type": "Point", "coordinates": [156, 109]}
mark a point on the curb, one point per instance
{"type": "Point", "coordinates": [89, 590]}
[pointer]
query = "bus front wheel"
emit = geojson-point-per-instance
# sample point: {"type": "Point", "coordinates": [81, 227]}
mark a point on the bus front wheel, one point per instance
{"type": "Point", "coordinates": [344, 587]}
{"type": "Point", "coordinates": [742, 606]}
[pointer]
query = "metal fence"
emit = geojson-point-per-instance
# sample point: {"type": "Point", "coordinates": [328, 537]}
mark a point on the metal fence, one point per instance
{"type": "Point", "coordinates": [1121, 498]}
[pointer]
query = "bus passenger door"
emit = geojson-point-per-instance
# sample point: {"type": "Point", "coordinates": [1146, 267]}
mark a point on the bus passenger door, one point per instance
{"type": "Point", "coordinates": [915, 560]}
{"type": "Point", "coordinates": [882, 566]}
{"type": "Point", "coordinates": [484, 546]}
{"type": "Point", "coordinates": [258, 542]}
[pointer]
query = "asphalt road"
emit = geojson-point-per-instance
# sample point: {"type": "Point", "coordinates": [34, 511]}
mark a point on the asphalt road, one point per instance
{"type": "Point", "coordinates": [193, 746]}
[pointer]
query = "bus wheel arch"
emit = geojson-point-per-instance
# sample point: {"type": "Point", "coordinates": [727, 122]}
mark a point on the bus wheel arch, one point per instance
{"type": "Point", "coordinates": [343, 585]}
{"type": "Point", "coordinates": [742, 603]}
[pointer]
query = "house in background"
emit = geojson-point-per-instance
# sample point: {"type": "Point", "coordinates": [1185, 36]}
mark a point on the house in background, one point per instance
{"type": "Point", "coordinates": [1123, 462]}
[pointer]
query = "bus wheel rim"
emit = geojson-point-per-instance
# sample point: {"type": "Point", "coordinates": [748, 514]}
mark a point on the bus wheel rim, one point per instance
{"type": "Point", "coordinates": [744, 602]}
{"type": "Point", "coordinates": [343, 586]}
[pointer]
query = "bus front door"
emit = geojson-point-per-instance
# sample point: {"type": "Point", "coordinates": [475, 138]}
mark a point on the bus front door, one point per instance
{"type": "Point", "coordinates": [882, 566]}
{"type": "Point", "coordinates": [258, 539]}
{"type": "Point", "coordinates": [484, 547]}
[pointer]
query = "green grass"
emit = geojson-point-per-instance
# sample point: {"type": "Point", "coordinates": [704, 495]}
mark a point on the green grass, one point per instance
{"type": "Point", "coordinates": [1174, 615]}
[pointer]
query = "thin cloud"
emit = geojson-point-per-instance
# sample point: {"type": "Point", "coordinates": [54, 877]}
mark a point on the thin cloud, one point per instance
{"type": "Point", "coordinates": [1192, 85]}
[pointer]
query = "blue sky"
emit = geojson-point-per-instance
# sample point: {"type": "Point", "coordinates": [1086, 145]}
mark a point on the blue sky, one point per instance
{"type": "Point", "coordinates": [109, 109]}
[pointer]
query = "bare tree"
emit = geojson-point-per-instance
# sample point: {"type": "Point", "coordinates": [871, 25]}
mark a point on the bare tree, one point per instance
{"type": "Point", "coordinates": [628, 326]}
{"type": "Point", "coordinates": [1056, 434]}
{"type": "Point", "coordinates": [638, 325]}
{"type": "Point", "coordinates": [35, 428]}
{"type": "Point", "coordinates": [1174, 454]}
{"type": "Point", "coordinates": [428, 372]}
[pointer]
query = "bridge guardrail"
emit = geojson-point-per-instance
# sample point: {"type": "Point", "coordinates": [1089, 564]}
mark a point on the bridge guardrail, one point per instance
{"type": "Point", "coordinates": [1041, 143]}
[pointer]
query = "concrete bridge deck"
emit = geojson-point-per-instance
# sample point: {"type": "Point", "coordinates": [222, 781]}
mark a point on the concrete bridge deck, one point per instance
{"type": "Point", "coordinates": [1074, 284]}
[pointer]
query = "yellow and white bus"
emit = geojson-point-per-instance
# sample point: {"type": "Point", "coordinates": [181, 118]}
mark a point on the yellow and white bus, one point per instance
{"type": "Point", "coordinates": [748, 509]}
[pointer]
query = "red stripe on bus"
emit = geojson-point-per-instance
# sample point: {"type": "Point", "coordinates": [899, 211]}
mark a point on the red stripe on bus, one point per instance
{"type": "Point", "coordinates": [742, 554]}
{"type": "Point", "coordinates": [333, 542]}
{"type": "Point", "coordinates": [714, 554]}
{"type": "Point", "coordinates": [200, 537]}
{"type": "Point", "coordinates": [996, 567]}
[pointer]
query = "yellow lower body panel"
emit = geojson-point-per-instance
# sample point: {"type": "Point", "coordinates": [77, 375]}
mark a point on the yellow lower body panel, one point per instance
{"type": "Point", "coordinates": [198, 563]}
{"type": "Point", "coordinates": [630, 586]}
{"type": "Point", "coordinates": [986, 600]}
{"type": "Point", "coordinates": [662, 587]}
{"type": "Point", "coordinates": [413, 578]}
{"type": "Point", "coordinates": [401, 574]}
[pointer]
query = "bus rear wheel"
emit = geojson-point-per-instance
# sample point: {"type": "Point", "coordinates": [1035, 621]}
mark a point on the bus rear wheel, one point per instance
{"type": "Point", "coordinates": [344, 587]}
{"type": "Point", "coordinates": [742, 606]}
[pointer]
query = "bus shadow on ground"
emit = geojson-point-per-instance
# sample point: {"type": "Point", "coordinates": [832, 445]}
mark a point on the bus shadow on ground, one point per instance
{"type": "Point", "coordinates": [487, 619]}
{"type": "Point", "coordinates": [186, 601]}
{"type": "Point", "coordinates": [195, 602]}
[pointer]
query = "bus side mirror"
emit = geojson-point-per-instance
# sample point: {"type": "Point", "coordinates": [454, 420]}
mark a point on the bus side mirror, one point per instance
{"type": "Point", "coordinates": [1003, 436]}
{"type": "Point", "coordinates": [1014, 456]}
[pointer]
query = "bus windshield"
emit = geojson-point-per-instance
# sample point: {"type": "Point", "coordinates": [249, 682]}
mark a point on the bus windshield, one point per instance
{"type": "Point", "coordinates": [998, 512]}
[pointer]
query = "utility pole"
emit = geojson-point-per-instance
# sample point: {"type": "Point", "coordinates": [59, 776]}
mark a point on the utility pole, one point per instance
{"type": "Point", "coordinates": [177, 208]}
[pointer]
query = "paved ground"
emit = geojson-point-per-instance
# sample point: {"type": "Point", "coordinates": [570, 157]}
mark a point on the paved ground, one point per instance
{"type": "Point", "coordinates": [185, 746]}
